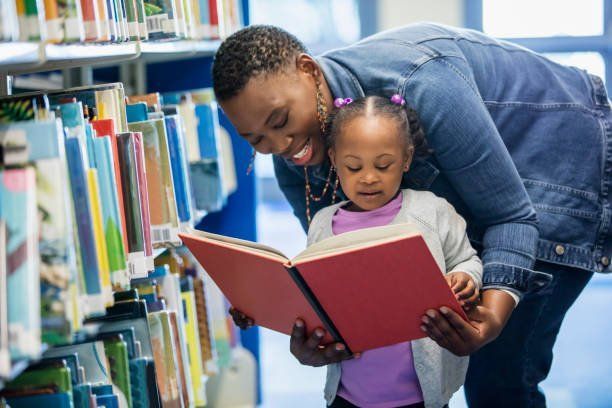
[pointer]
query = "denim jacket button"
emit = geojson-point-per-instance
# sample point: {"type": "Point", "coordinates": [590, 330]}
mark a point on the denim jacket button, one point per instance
{"type": "Point", "coordinates": [560, 249]}
{"type": "Point", "coordinates": [605, 261]}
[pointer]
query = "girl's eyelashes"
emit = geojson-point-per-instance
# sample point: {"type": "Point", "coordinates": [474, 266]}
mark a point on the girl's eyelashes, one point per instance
{"type": "Point", "coordinates": [385, 167]}
{"type": "Point", "coordinates": [257, 141]}
{"type": "Point", "coordinates": [353, 169]}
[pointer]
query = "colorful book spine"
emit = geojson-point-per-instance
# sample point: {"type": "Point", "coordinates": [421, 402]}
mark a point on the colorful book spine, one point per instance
{"type": "Point", "coordinates": [214, 11]}
{"type": "Point", "coordinates": [103, 21]}
{"type": "Point", "coordinates": [123, 22]}
{"type": "Point", "coordinates": [18, 211]}
{"type": "Point", "coordinates": [22, 108]}
{"type": "Point", "coordinates": [142, 20]}
{"type": "Point", "coordinates": [106, 128]}
{"type": "Point", "coordinates": [128, 159]}
{"type": "Point", "coordinates": [88, 257]}
{"type": "Point", "coordinates": [116, 351]}
{"type": "Point", "coordinates": [5, 355]}
{"type": "Point", "coordinates": [165, 357]}
{"type": "Point", "coordinates": [143, 192]}
{"type": "Point", "coordinates": [202, 19]}
{"type": "Point", "coordinates": [31, 20]}
{"type": "Point", "coordinates": [161, 197]}
{"type": "Point", "coordinates": [91, 20]}
{"type": "Point", "coordinates": [113, 22]}
{"type": "Point", "coordinates": [207, 342]}
{"type": "Point", "coordinates": [110, 212]}
{"type": "Point", "coordinates": [161, 18]}
{"type": "Point", "coordinates": [195, 351]}
{"type": "Point", "coordinates": [181, 19]}
{"type": "Point", "coordinates": [132, 20]}
{"type": "Point", "coordinates": [180, 169]}
{"type": "Point", "coordinates": [9, 23]}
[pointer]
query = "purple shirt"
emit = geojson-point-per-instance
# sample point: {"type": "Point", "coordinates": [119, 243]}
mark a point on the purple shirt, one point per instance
{"type": "Point", "coordinates": [383, 377]}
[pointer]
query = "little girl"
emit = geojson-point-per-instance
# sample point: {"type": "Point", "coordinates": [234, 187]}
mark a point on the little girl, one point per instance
{"type": "Point", "coordinates": [371, 144]}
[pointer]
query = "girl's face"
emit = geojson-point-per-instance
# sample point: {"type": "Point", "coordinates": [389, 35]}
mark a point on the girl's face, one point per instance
{"type": "Point", "coordinates": [370, 156]}
{"type": "Point", "coordinates": [277, 113]}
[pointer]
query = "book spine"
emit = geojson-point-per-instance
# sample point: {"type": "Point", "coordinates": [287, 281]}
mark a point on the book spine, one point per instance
{"type": "Point", "coordinates": [90, 267]}
{"type": "Point", "coordinates": [19, 212]}
{"type": "Point", "coordinates": [143, 194]}
{"type": "Point", "coordinates": [316, 306]}
{"type": "Point", "coordinates": [110, 212]}
{"type": "Point", "coordinates": [132, 205]}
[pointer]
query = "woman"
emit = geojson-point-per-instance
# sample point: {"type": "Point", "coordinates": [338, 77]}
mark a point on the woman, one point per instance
{"type": "Point", "coordinates": [520, 146]}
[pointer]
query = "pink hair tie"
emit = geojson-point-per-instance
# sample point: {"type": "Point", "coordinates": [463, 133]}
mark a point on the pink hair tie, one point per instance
{"type": "Point", "coordinates": [342, 102]}
{"type": "Point", "coordinates": [398, 100]}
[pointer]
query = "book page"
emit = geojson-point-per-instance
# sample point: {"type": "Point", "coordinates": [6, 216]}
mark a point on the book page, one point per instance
{"type": "Point", "coordinates": [241, 243]}
{"type": "Point", "coordinates": [357, 239]}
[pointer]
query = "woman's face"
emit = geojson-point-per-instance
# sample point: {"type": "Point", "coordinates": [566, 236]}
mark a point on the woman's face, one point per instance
{"type": "Point", "coordinates": [277, 113]}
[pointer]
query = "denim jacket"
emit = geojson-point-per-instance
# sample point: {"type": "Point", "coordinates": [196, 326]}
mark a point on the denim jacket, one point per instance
{"type": "Point", "coordinates": [521, 145]}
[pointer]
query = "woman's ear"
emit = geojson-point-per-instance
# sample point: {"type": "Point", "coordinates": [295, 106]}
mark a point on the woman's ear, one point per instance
{"type": "Point", "coordinates": [307, 65]}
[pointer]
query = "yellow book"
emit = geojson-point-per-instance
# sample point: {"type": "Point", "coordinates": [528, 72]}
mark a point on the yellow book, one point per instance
{"type": "Point", "coordinates": [98, 226]}
{"type": "Point", "coordinates": [193, 342]}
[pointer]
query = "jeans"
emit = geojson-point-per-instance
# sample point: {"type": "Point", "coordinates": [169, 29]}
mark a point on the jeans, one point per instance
{"type": "Point", "coordinates": [506, 372]}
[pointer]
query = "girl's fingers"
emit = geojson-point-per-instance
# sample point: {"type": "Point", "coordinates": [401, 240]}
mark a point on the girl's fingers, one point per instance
{"type": "Point", "coordinates": [468, 291]}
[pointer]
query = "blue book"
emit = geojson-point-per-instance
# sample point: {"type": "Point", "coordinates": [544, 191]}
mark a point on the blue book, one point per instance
{"type": "Point", "coordinates": [45, 151]}
{"type": "Point", "coordinates": [136, 112]}
{"type": "Point", "coordinates": [60, 400]}
{"type": "Point", "coordinates": [85, 231]}
{"type": "Point", "coordinates": [19, 215]}
{"type": "Point", "coordinates": [180, 168]}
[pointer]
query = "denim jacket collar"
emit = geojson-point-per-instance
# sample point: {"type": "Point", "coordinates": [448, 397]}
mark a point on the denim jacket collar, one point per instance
{"type": "Point", "coordinates": [342, 83]}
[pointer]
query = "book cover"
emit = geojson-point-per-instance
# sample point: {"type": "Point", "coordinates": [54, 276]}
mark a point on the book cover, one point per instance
{"type": "Point", "coordinates": [89, 267]}
{"type": "Point", "coordinates": [161, 19]}
{"type": "Point", "coordinates": [152, 100]}
{"type": "Point", "coordinates": [45, 151]}
{"type": "Point", "coordinates": [180, 169]}
{"type": "Point", "coordinates": [164, 346]}
{"type": "Point", "coordinates": [195, 352]}
{"type": "Point", "coordinates": [23, 107]}
{"type": "Point", "coordinates": [103, 157]}
{"type": "Point", "coordinates": [106, 128]}
{"type": "Point", "coordinates": [330, 284]}
{"type": "Point", "coordinates": [170, 291]}
{"type": "Point", "coordinates": [91, 20]}
{"type": "Point", "coordinates": [116, 351]}
{"type": "Point", "coordinates": [103, 21]}
{"type": "Point", "coordinates": [18, 211]}
{"type": "Point", "coordinates": [32, 25]}
{"type": "Point", "coordinates": [132, 205]}
{"type": "Point", "coordinates": [161, 197]}
{"type": "Point", "coordinates": [143, 193]}
{"type": "Point", "coordinates": [5, 356]}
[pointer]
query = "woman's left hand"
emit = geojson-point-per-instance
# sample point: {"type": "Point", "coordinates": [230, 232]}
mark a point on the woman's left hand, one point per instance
{"type": "Point", "coordinates": [462, 338]}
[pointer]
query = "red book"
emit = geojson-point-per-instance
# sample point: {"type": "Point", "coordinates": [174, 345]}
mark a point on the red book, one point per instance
{"type": "Point", "coordinates": [366, 288]}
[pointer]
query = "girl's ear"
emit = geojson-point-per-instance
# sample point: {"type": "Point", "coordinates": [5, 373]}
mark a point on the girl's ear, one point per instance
{"type": "Point", "coordinates": [408, 158]}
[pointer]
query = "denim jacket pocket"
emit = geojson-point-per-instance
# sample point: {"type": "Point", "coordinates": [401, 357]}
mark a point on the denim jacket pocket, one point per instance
{"type": "Point", "coordinates": [599, 91]}
{"type": "Point", "coordinates": [421, 175]}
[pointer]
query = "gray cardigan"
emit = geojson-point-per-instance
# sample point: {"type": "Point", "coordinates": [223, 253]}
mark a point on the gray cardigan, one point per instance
{"type": "Point", "coordinates": [440, 372]}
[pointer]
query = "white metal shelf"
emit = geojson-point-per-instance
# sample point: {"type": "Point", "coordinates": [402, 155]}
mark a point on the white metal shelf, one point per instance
{"type": "Point", "coordinates": [23, 57]}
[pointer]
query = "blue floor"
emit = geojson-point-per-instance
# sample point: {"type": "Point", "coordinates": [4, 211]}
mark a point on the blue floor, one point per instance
{"type": "Point", "coordinates": [581, 375]}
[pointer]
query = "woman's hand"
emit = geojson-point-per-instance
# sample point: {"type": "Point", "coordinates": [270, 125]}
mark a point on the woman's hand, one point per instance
{"type": "Point", "coordinates": [465, 289]}
{"type": "Point", "coordinates": [240, 319]}
{"type": "Point", "coordinates": [462, 338]}
{"type": "Point", "coordinates": [310, 352]}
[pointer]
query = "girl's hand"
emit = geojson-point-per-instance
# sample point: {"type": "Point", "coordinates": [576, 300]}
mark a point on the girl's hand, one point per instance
{"type": "Point", "coordinates": [240, 319]}
{"type": "Point", "coordinates": [462, 338]}
{"type": "Point", "coordinates": [310, 352]}
{"type": "Point", "coordinates": [464, 288]}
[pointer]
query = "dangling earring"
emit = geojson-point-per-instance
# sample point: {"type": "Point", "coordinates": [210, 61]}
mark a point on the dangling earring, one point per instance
{"type": "Point", "coordinates": [322, 118]}
{"type": "Point", "coordinates": [251, 162]}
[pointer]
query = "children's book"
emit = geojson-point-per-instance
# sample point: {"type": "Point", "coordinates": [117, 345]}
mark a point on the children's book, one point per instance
{"type": "Point", "coordinates": [180, 169]}
{"type": "Point", "coordinates": [44, 144]}
{"type": "Point", "coordinates": [5, 356]}
{"type": "Point", "coordinates": [24, 107]}
{"type": "Point", "coordinates": [31, 20]}
{"type": "Point", "coordinates": [103, 161]}
{"type": "Point", "coordinates": [195, 352]}
{"type": "Point", "coordinates": [132, 206]}
{"type": "Point", "coordinates": [366, 288]}
{"type": "Point", "coordinates": [161, 197]}
{"type": "Point", "coordinates": [91, 20]}
{"type": "Point", "coordinates": [207, 340]}
{"type": "Point", "coordinates": [103, 21]}
{"type": "Point", "coordinates": [18, 211]}
{"type": "Point", "coordinates": [162, 19]}
{"type": "Point", "coordinates": [143, 193]}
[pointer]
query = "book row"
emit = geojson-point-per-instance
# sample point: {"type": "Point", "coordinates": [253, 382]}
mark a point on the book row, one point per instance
{"type": "Point", "coordinates": [104, 21]}
{"type": "Point", "coordinates": [92, 185]}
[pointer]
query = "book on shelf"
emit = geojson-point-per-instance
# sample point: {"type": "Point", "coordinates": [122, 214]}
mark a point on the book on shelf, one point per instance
{"type": "Point", "coordinates": [20, 216]}
{"type": "Point", "coordinates": [366, 288]}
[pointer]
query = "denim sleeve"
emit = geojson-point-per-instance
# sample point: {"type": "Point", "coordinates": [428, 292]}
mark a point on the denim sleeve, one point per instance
{"type": "Point", "coordinates": [293, 186]}
{"type": "Point", "coordinates": [472, 155]}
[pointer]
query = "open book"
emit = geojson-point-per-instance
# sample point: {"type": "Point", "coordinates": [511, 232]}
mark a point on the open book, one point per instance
{"type": "Point", "coordinates": [367, 288]}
